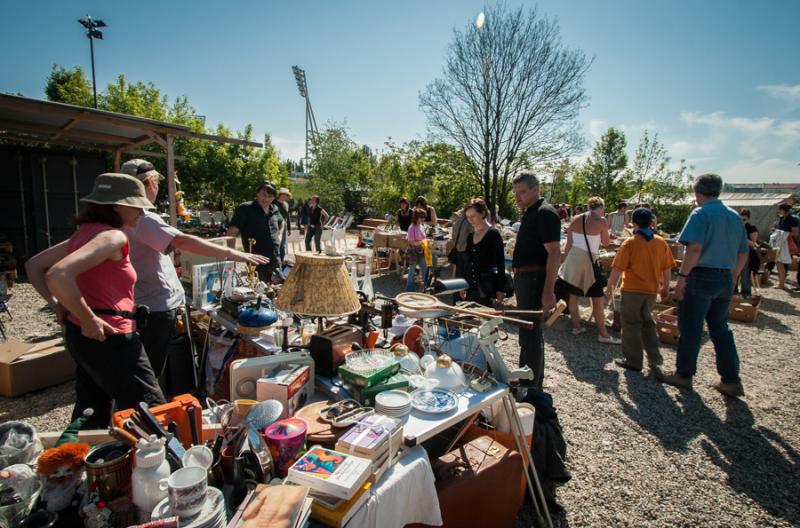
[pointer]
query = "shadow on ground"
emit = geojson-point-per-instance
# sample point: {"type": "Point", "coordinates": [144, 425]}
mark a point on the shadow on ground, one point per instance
{"type": "Point", "coordinates": [758, 462]}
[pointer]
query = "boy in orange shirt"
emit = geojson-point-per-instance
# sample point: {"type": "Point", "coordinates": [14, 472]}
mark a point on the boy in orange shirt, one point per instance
{"type": "Point", "coordinates": [645, 263]}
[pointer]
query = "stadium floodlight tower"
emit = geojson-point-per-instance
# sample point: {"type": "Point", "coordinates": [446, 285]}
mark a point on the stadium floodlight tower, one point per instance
{"type": "Point", "coordinates": [92, 33]}
{"type": "Point", "coordinates": [311, 121]}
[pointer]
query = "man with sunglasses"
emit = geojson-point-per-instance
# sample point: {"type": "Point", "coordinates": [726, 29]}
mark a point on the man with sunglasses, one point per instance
{"type": "Point", "coordinates": [152, 242]}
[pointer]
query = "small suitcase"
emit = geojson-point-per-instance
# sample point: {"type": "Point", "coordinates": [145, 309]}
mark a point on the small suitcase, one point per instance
{"type": "Point", "coordinates": [478, 484]}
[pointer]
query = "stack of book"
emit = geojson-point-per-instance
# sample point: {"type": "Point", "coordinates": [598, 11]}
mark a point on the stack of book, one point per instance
{"type": "Point", "coordinates": [330, 472]}
{"type": "Point", "coordinates": [338, 512]}
{"type": "Point", "coordinates": [375, 438]}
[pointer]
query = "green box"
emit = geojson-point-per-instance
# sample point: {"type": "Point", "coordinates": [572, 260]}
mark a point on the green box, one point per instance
{"type": "Point", "coordinates": [361, 381]}
{"type": "Point", "coordinates": [366, 396]}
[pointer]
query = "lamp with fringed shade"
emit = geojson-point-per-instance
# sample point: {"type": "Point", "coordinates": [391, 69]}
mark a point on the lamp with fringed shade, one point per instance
{"type": "Point", "coordinates": [318, 286]}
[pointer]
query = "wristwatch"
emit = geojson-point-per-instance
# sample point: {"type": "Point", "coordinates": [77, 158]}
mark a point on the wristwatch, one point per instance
{"type": "Point", "coordinates": [683, 275]}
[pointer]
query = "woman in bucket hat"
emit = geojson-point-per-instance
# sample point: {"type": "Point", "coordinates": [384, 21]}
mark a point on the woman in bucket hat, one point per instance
{"type": "Point", "coordinates": [88, 281]}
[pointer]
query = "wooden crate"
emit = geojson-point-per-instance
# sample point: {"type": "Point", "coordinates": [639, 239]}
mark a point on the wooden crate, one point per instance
{"type": "Point", "coordinates": [380, 239]}
{"type": "Point", "coordinates": [678, 251]}
{"type": "Point", "coordinates": [667, 326]}
{"type": "Point", "coordinates": [399, 241]}
{"type": "Point", "coordinates": [744, 310]}
{"type": "Point", "coordinates": [659, 308]}
{"type": "Point", "coordinates": [606, 261]}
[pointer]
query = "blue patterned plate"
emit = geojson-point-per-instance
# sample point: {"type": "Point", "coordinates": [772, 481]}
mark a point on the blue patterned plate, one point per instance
{"type": "Point", "coordinates": [434, 401]}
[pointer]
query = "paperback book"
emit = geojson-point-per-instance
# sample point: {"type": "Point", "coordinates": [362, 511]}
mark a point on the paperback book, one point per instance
{"type": "Point", "coordinates": [330, 472]}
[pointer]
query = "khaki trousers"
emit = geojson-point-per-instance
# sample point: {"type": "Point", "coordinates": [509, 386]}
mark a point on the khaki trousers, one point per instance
{"type": "Point", "coordinates": [639, 329]}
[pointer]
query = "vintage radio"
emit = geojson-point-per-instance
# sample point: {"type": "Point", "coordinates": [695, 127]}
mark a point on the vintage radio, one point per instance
{"type": "Point", "coordinates": [329, 347]}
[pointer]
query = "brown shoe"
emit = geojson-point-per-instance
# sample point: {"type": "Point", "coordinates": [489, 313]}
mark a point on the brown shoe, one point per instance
{"type": "Point", "coordinates": [674, 380]}
{"type": "Point", "coordinates": [624, 364]}
{"type": "Point", "coordinates": [731, 390]}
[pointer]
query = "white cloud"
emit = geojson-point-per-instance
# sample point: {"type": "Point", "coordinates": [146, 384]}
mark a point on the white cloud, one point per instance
{"type": "Point", "coordinates": [789, 92]}
{"type": "Point", "coordinates": [771, 170]}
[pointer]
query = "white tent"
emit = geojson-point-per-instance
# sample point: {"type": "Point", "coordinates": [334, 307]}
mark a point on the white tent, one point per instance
{"type": "Point", "coordinates": [763, 208]}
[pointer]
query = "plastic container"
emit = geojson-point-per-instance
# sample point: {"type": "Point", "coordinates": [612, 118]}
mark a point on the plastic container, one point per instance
{"type": "Point", "coordinates": [151, 468]}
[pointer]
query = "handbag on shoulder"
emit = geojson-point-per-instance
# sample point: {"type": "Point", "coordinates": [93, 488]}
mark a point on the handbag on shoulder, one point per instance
{"type": "Point", "coordinates": [599, 273]}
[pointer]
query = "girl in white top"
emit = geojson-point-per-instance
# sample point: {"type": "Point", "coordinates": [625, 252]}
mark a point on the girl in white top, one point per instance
{"type": "Point", "coordinates": [579, 264]}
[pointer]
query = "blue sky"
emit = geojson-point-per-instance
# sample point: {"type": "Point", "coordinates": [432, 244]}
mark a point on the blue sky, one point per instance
{"type": "Point", "coordinates": [719, 81]}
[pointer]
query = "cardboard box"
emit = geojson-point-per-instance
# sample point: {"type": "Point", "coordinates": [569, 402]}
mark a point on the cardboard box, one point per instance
{"type": "Point", "coordinates": [288, 385]}
{"type": "Point", "coordinates": [26, 367]}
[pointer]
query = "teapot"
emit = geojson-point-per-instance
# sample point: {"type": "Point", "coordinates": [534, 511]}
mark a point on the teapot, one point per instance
{"type": "Point", "coordinates": [257, 315]}
{"type": "Point", "coordinates": [446, 371]}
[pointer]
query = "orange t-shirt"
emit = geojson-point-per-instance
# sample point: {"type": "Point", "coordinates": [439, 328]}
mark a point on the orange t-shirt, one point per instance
{"type": "Point", "coordinates": [642, 263]}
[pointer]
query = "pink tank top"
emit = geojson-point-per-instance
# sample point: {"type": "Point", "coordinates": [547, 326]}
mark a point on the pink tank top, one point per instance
{"type": "Point", "coordinates": [109, 285]}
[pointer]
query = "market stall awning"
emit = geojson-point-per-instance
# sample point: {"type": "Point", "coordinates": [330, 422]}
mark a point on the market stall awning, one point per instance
{"type": "Point", "coordinates": [25, 120]}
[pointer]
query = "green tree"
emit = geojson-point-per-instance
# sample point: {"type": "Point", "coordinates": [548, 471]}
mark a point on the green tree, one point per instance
{"type": "Point", "coordinates": [559, 189]}
{"type": "Point", "coordinates": [68, 86]}
{"type": "Point", "coordinates": [220, 174]}
{"type": "Point", "coordinates": [604, 170]}
{"type": "Point", "coordinates": [340, 171]}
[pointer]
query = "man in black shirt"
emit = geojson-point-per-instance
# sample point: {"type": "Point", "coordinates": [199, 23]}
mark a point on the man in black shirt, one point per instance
{"type": "Point", "coordinates": [260, 220]}
{"type": "Point", "coordinates": [537, 257]}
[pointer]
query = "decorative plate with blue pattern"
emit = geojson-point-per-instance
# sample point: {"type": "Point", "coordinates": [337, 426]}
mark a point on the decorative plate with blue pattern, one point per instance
{"type": "Point", "coordinates": [434, 401]}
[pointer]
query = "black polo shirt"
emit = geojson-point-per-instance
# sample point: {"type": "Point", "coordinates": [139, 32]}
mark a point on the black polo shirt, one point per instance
{"type": "Point", "coordinates": [264, 226]}
{"type": "Point", "coordinates": [540, 225]}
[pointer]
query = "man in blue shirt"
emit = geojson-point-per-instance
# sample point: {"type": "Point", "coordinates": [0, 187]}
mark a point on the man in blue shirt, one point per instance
{"type": "Point", "coordinates": [716, 252]}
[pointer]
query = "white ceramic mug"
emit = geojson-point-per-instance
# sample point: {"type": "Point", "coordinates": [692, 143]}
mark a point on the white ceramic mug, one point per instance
{"type": "Point", "coordinates": [187, 491]}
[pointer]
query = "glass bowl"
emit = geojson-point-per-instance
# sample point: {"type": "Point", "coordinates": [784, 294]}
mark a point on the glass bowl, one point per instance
{"type": "Point", "coordinates": [366, 361]}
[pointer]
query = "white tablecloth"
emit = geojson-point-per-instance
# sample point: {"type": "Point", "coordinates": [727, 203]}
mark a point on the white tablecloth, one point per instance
{"type": "Point", "coordinates": [405, 494]}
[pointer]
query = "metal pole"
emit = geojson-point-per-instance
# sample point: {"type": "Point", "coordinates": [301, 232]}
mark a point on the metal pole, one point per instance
{"type": "Point", "coordinates": [22, 203]}
{"type": "Point", "coordinates": [524, 449]}
{"type": "Point", "coordinates": [305, 169]}
{"type": "Point", "coordinates": [171, 187]}
{"type": "Point", "coordinates": [46, 204]}
{"type": "Point", "coordinates": [74, 164]}
{"type": "Point", "coordinates": [91, 50]}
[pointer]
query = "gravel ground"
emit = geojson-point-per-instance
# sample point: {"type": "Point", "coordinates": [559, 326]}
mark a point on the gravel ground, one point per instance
{"type": "Point", "coordinates": [641, 454]}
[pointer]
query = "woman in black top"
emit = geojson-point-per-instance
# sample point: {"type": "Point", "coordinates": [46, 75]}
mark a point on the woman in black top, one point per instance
{"type": "Point", "coordinates": [487, 257]}
{"type": "Point", "coordinates": [430, 213]}
{"type": "Point", "coordinates": [404, 214]}
{"type": "Point", "coordinates": [316, 217]}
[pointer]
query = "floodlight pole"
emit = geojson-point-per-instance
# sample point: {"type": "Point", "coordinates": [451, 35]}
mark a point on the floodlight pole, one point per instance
{"type": "Point", "coordinates": [311, 121]}
{"type": "Point", "coordinates": [92, 33]}
{"type": "Point", "coordinates": [94, 80]}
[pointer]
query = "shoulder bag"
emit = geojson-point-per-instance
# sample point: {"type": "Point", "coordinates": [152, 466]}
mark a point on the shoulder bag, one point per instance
{"type": "Point", "coordinates": [452, 256]}
{"type": "Point", "coordinates": [599, 273]}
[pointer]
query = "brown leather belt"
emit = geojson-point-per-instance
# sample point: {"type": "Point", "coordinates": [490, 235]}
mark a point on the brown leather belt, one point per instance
{"type": "Point", "coordinates": [533, 267]}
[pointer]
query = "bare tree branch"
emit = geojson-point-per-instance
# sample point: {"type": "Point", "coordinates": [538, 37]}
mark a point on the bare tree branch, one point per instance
{"type": "Point", "coordinates": [508, 88]}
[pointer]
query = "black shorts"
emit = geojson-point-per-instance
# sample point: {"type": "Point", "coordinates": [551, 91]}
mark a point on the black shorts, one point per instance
{"type": "Point", "coordinates": [594, 291]}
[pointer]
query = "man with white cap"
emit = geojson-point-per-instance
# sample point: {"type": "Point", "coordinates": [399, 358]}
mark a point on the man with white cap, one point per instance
{"type": "Point", "coordinates": [284, 195]}
{"type": "Point", "coordinates": [152, 241]}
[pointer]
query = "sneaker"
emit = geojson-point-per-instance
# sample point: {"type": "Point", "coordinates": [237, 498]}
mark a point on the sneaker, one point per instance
{"type": "Point", "coordinates": [624, 364]}
{"type": "Point", "coordinates": [579, 331]}
{"type": "Point", "coordinates": [731, 390]}
{"type": "Point", "coordinates": [609, 340]}
{"type": "Point", "coordinates": [674, 379]}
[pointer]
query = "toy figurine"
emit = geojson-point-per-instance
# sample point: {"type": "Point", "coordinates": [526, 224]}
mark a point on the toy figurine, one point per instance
{"type": "Point", "coordinates": [61, 471]}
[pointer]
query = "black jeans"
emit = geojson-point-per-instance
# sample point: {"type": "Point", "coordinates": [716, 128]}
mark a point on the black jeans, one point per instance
{"type": "Point", "coordinates": [528, 287]}
{"type": "Point", "coordinates": [115, 370]}
{"type": "Point", "coordinates": [316, 233]}
{"type": "Point", "coordinates": [156, 338]}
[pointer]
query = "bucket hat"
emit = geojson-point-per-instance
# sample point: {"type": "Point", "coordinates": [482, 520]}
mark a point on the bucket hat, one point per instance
{"type": "Point", "coordinates": [141, 169]}
{"type": "Point", "coordinates": [118, 189]}
{"type": "Point", "coordinates": [284, 190]}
